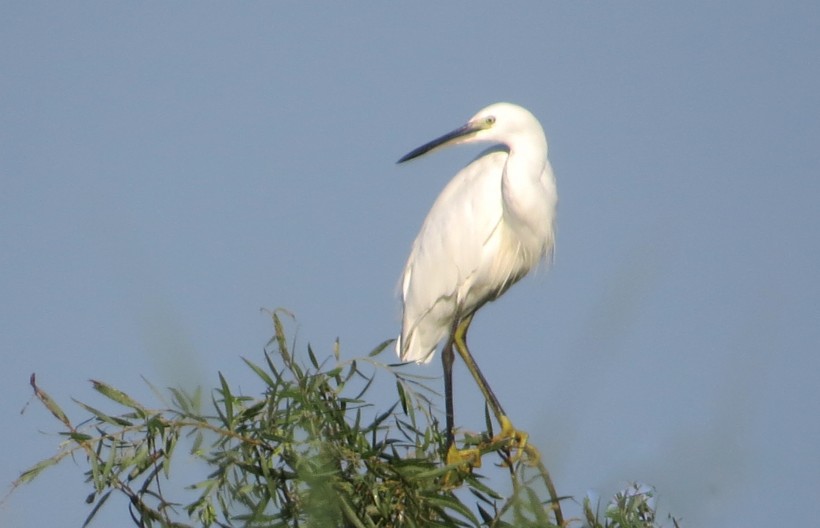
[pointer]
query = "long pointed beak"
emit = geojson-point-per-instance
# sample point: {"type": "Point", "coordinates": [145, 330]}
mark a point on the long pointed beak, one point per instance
{"type": "Point", "coordinates": [449, 137]}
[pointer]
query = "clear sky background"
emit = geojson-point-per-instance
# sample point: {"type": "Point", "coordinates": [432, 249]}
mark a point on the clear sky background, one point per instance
{"type": "Point", "coordinates": [168, 169]}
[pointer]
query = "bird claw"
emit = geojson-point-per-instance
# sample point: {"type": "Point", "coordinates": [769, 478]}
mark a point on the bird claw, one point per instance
{"type": "Point", "coordinates": [471, 457]}
{"type": "Point", "coordinates": [516, 440]}
{"type": "Point", "coordinates": [463, 462]}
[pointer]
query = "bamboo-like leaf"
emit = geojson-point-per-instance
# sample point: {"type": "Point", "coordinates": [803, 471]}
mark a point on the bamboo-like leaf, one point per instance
{"type": "Point", "coordinates": [189, 404]}
{"type": "Point", "coordinates": [220, 414]}
{"type": "Point", "coordinates": [537, 508]}
{"type": "Point", "coordinates": [366, 387]}
{"type": "Point", "coordinates": [207, 483]}
{"type": "Point", "coordinates": [452, 503]}
{"type": "Point", "coordinates": [485, 516]}
{"type": "Point", "coordinates": [103, 417]}
{"type": "Point", "coordinates": [197, 445]}
{"type": "Point", "coordinates": [138, 462]}
{"type": "Point", "coordinates": [227, 401]}
{"type": "Point", "coordinates": [488, 422]}
{"type": "Point", "coordinates": [479, 488]}
{"type": "Point", "coordinates": [352, 370]}
{"type": "Point", "coordinates": [380, 418]}
{"type": "Point", "coordinates": [155, 391]}
{"type": "Point", "coordinates": [79, 437]}
{"type": "Point", "coordinates": [50, 404]}
{"type": "Point", "coordinates": [118, 396]}
{"type": "Point", "coordinates": [268, 454]}
{"type": "Point", "coordinates": [350, 514]}
{"type": "Point", "coordinates": [281, 341]}
{"type": "Point", "coordinates": [259, 372]}
{"type": "Point", "coordinates": [402, 396]}
{"type": "Point", "coordinates": [32, 472]}
{"type": "Point", "coordinates": [274, 371]}
{"type": "Point", "coordinates": [97, 507]}
{"type": "Point", "coordinates": [94, 461]}
{"type": "Point", "coordinates": [270, 481]}
{"type": "Point", "coordinates": [380, 347]}
{"type": "Point", "coordinates": [312, 357]}
{"type": "Point", "coordinates": [179, 399]}
{"type": "Point", "coordinates": [109, 465]}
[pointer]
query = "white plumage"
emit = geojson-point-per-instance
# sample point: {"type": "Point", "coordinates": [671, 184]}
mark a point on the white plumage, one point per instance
{"type": "Point", "coordinates": [489, 227]}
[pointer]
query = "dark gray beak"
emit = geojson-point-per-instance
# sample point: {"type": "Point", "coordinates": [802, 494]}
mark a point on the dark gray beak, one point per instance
{"type": "Point", "coordinates": [456, 134]}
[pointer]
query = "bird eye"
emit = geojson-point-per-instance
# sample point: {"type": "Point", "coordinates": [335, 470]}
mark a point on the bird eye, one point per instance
{"type": "Point", "coordinates": [490, 120]}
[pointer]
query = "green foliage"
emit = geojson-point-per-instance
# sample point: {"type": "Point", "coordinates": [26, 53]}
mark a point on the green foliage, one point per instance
{"type": "Point", "coordinates": [308, 451]}
{"type": "Point", "coordinates": [632, 507]}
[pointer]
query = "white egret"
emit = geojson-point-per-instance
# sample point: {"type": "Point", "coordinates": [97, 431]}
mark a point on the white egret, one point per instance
{"type": "Point", "coordinates": [488, 228]}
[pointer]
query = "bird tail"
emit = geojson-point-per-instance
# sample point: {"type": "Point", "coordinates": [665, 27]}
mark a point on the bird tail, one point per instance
{"type": "Point", "coordinates": [411, 352]}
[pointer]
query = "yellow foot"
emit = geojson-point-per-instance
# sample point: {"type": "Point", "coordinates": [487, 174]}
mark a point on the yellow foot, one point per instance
{"type": "Point", "coordinates": [514, 439]}
{"type": "Point", "coordinates": [463, 460]}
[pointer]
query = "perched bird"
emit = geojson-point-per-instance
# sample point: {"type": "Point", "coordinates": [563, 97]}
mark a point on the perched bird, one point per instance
{"type": "Point", "coordinates": [489, 227]}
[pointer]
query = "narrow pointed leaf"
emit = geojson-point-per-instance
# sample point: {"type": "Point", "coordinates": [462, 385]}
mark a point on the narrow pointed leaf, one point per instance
{"type": "Point", "coordinates": [50, 404]}
{"type": "Point", "coordinates": [118, 396]}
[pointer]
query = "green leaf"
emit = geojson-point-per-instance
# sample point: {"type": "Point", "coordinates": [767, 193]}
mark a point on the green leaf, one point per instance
{"type": "Point", "coordinates": [380, 347]}
{"type": "Point", "coordinates": [103, 417]}
{"type": "Point", "coordinates": [350, 514]}
{"type": "Point", "coordinates": [97, 507]}
{"type": "Point", "coordinates": [480, 488]}
{"type": "Point", "coordinates": [197, 445]}
{"type": "Point", "coordinates": [29, 474]}
{"type": "Point", "coordinates": [485, 516]}
{"type": "Point", "coordinates": [227, 401]}
{"type": "Point", "coordinates": [535, 503]}
{"type": "Point", "coordinates": [118, 396]}
{"type": "Point", "coordinates": [168, 455]}
{"type": "Point", "coordinates": [366, 387]}
{"type": "Point", "coordinates": [50, 404]}
{"type": "Point", "coordinates": [281, 341]}
{"type": "Point", "coordinates": [79, 437]}
{"type": "Point", "coordinates": [402, 396]}
{"type": "Point", "coordinates": [308, 435]}
{"type": "Point", "coordinates": [109, 465]}
{"type": "Point", "coordinates": [259, 372]}
{"type": "Point", "coordinates": [312, 357]}
{"type": "Point", "coordinates": [452, 503]}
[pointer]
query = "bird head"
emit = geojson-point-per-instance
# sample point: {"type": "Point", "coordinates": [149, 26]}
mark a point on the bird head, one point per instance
{"type": "Point", "coordinates": [499, 122]}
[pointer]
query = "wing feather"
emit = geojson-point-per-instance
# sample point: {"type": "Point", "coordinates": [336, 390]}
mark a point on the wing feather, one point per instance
{"type": "Point", "coordinates": [450, 255]}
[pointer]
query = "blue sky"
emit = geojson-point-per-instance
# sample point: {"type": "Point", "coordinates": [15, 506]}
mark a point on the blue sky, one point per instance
{"type": "Point", "coordinates": [169, 169]}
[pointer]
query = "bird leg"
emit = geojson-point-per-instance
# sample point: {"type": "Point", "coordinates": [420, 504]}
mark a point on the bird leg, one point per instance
{"type": "Point", "coordinates": [447, 357]}
{"type": "Point", "coordinates": [454, 455]}
{"type": "Point", "coordinates": [517, 439]}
